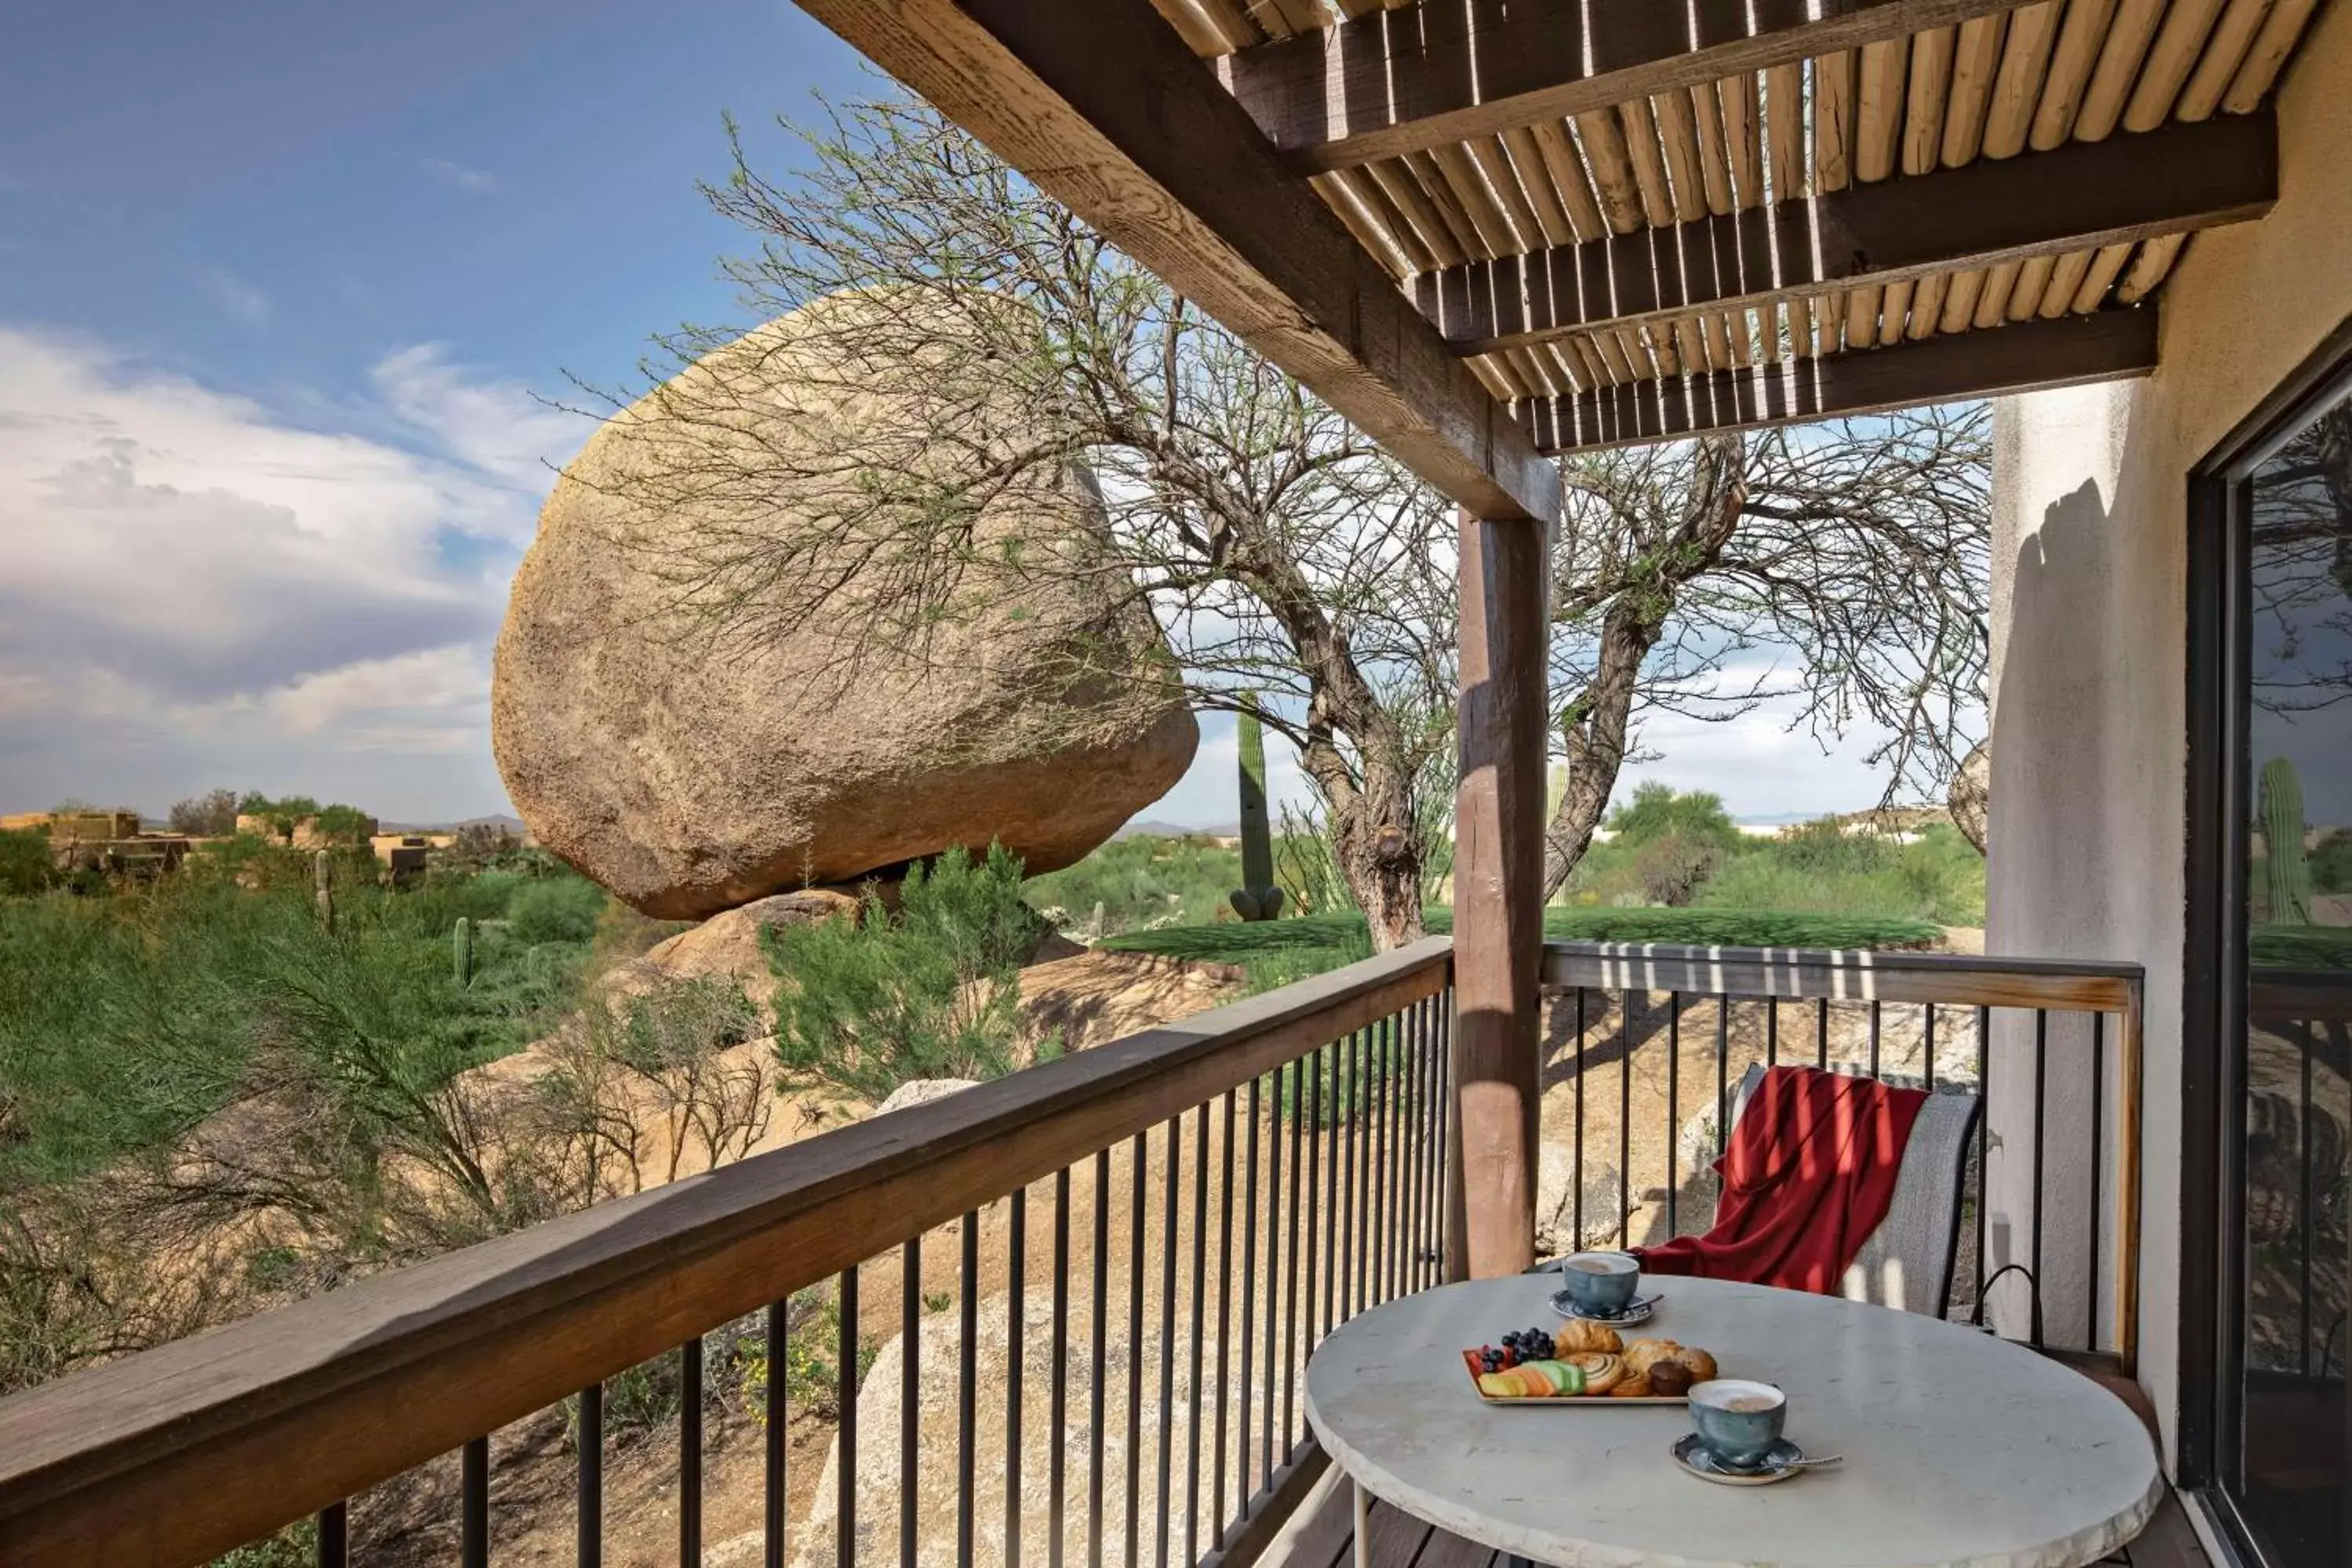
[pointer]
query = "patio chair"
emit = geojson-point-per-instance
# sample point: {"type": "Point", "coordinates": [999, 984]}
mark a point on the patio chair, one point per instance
{"type": "Point", "coordinates": [1907, 1261]}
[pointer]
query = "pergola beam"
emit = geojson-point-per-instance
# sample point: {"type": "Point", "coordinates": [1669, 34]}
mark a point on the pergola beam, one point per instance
{"type": "Point", "coordinates": [2082, 196]}
{"type": "Point", "coordinates": [2067, 351]}
{"type": "Point", "coordinates": [1404, 80]}
{"type": "Point", "coordinates": [1103, 106]}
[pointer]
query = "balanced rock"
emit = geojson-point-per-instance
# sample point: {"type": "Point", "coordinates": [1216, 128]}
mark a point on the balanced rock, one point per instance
{"type": "Point", "coordinates": [793, 618]}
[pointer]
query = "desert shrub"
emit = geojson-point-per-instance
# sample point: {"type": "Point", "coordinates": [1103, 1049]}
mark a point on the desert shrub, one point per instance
{"type": "Point", "coordinates": [212, 815]}
{"type": "Point", "coordinates": [26, 866]}
{"type": "Point", "coordinates": [344, 824]}
{"type": "Point", "coordinates": [812, 1358]}
{"type": "Point", "coordinates": [2331, 863]}
{"type": "Point", "coordinates": [1658, 811]}
{"type": "Point", "coordinates": [930, 991]}
{"type": "Point", "coordinates": [1672, 866]}
{"type": "Point", "coordinates": [1140, 882]}
{"type": "Point", "coordinates": [555, 908]}
{"type": "Point", "coordinates": [656, 1060]}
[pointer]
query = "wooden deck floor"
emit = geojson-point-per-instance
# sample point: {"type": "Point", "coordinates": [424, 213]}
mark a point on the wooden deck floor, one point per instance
{"type": "Point", "coordinates": [1322, 1535]}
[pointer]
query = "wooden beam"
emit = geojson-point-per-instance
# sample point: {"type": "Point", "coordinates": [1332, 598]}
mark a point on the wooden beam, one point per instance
{"type": "Point", "coordinates": [1403, 81]}
{"type": "Point", "coordinates": [1103, 106]}
{"type": "Point", "coordinates": [1504, 568]}
{"type": "Point", "coordinates": [2080, 198]}
{"type": "Point", "coordinates": [2066, 352]}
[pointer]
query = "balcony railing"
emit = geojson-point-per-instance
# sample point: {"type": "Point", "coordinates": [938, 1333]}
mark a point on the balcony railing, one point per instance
{"type": "Point", "coordinates": [1058, 1319]}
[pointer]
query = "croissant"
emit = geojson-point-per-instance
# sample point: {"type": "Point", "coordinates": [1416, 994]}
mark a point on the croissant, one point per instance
{"type": "Point", "coordinates": [1642, 1355]}
{"type": "Point", "coordinates": [1576, 1337]}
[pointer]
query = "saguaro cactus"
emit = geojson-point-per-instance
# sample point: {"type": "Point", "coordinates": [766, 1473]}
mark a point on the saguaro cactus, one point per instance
{"type": "Point", "coordinates": [461, 952]}
{"type": "Point", "coordinates": [1257, 899]}
{"type": "Point", "coordinates": [2285, 873]}
{"type": "Point", "coordinates": [322, 877]}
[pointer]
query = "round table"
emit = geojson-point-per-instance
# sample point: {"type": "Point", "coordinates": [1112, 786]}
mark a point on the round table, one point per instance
{"type": "Point", "coordinates": [1961, 1449]}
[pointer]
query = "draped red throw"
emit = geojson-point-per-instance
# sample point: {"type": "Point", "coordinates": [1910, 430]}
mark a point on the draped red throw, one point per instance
{"type": "Point", "coordinates": [1808, 1174]}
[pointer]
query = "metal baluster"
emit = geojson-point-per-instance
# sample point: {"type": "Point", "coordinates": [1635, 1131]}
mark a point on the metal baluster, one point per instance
{"type": "Point", "coordinates": [911, 1393]}
{"type": "Point", "coordinates": [592, 1477]}
{"type": "Point", "coordinates": [1097, 1359]}
{"type": "Point", "coordinates": [2040, 1107]}
{"type": "Point", "coordinates": [1348, 1106]}
{"type": "Point", "coordinates": [1397, 1204]}
{"type": "Point", "coordinates": [1315, 1197]}
{"type": "Point", "coordinates": [2305, 1217]}
{"type": "Point", "coordinates": [2098, 1139]}
{"type": "Point", "coordinates": [1821, 1034]}
{"type": "Point", "coordinates": [1225, 1311]}
{"type": "Point", "coordinates": [1722, 1070]}
{"type": "Point", "coordinates": [1673, 1107]}
{"type": "Point", "coordinates": [474, 1504]}
{"type": "Point", "coordinates": [1984, 1147]}
{"type": "Point", "coordinates": [1376, 1165]}
{"type": "Point", "coordinates": [1301, 1158]}
{"type": "Point", "coordinates": [967, 1389]}
{"type": "Point", "coordinates": [1276, 1255]}
{"type": "Point", "coordinates": [1251, 1275]}
{"type": "Point", "coordinates": [1056, 1464]}
{"type": "Point", "coordinates": [1772, 1031]}
{"type": "Point", "coordinates": [1200, 1316]}
{"type": "Point", "coordinates": [1416, 1218]}
{"type": "Point", "coordinates": [1016, 1270]}
{"type": "Point", "coordinates": [689, 1454]}
{"type": "Point", "coordinates": [1930, 1046]}
{"type": "Point", "coordinates": [1876, 1010]}
{"type": "Point", "coordinates": [773, 1510]}
{"type": "Point", "coordinates": [1167, 1330]}
{"type": "Point", "coordinates": [1625, 1121]}
{"type": "Point", "coordinates": [1135, 1351]}
{"type": "Point", "coordinates": [844, 1394]}
{"type": "Point", "coordinates": [1576, 1170]}
{"type": "Point", "coordinates": [335, 1536]}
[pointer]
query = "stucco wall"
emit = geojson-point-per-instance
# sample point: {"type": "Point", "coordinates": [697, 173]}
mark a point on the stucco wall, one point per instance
{"type": "Point", "coordinates": [2090, 625]}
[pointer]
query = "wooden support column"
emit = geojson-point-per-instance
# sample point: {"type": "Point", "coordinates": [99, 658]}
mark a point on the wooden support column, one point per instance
{"type": "Point", "coordinates": [1499, 896]}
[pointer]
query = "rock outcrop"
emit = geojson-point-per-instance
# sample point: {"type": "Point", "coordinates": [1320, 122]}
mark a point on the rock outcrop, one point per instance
{"type": "Point", "coordinates": [779, 629]}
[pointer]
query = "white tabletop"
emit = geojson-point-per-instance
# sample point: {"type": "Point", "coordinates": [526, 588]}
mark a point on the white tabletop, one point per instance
{"type": "Point", "coordinates": [1961, 1451]}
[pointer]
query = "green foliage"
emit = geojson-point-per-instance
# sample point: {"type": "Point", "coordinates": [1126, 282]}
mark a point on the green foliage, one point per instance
{"type": "Point", "coordinates": [811, 1356]}
{"type": "Point", "coordinates": [1141, 882]}
{"type": "Point", "coordinates": [209, 815]}
{"type": "Point", "coordinates": [555, 908]}
{"type": "Point", "coordinates": [1658, 810]}
{"type": "Point", "coordinates": [344, 824]}
{"type": "Point", "coordinates": [1672, 864]}
{"type": "Point", "coordinates": [461, 953]}
{"type": "Point", "coordinates": [2331, 863]}
{"type": "Point", "coordinates": [26, 866]}
{"type": "Point", "coordinates": [126, 1019]}
{"type": "Point", "coordinates": [296, 1546]}
{"type": "Point", "coordinates": [2302, 947]}
{"type": "Point", "coordinates": [2286, 876]}
{"type": "Point", "coordinates": [930, 991]}
{"type": "Point", "coordinates": [1826, 868]}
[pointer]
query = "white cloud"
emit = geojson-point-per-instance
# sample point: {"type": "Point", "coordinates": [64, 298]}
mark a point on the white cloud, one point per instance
{"type": "Point", "coordinates": [238, 297]}
{"type": "Point", "coordinates": [189, 581]}
{"type": "Point", "coordinates": [478, 182]}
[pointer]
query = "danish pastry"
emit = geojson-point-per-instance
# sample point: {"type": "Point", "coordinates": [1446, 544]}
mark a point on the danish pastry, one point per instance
{"type": "Point", "coordinates": [1634, 1386]}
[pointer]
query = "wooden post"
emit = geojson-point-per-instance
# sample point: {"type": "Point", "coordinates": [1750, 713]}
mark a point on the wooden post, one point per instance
{"type": "Point", "coordinates": [1499, 897]}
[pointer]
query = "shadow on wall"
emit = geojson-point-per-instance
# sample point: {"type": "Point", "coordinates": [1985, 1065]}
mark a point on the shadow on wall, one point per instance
{"type": "Point", "coordinates": [2053, 818]}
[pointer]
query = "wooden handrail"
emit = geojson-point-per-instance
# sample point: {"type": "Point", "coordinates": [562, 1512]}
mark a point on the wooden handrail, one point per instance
{"type": "Point", "coordinates": [172, 1455]}
{"type": "Point", "coordinates": [1962, 979]}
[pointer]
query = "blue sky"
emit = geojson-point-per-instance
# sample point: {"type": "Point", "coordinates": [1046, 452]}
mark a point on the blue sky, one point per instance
{"type": "Point", "coordinates": [278, 284]}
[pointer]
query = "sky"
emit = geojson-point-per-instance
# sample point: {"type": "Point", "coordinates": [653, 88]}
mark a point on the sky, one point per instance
{"type": "Point", "coordinates": [287, 293]}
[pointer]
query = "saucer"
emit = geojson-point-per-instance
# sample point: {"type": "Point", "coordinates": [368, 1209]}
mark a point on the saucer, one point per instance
{"type": "Point", "coordinates": [1781, 1462]}
{"type": "Point", "coordinates": [1637, 1312]}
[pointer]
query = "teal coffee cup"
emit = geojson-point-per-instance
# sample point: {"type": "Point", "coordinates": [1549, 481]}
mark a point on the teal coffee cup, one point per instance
{"type": "Point", "coordinates": [1600, 1284]}
{"type": "Point", "coordinates": [1737, 1420]}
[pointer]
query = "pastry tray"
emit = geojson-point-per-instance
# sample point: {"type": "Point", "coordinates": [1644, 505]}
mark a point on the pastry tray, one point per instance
{"type": "Point", "coordinates": [1576, 1401]}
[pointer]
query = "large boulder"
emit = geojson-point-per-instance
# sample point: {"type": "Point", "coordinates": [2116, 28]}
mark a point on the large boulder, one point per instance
{"type": "Point", "coordinates": [1971, 797]}
{"type": "Point", "coordinates": [725, 674]}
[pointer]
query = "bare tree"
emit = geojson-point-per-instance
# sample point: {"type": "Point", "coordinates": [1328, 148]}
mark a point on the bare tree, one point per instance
{"type": "Point", "coordinates": [1843, 567]}
{"type": "Point", "coordinates": [1282, 551]}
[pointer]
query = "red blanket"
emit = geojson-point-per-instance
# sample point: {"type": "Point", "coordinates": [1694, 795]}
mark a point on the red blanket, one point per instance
{"type": "Point", "coordinates": [1807, 1175]}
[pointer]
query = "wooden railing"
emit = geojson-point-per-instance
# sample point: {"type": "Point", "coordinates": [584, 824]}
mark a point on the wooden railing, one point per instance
{"type": "Point", "coordinates": [1307, 1125]}
{"type": "Point", "coordinates": [1177, 1217]}
{"type": "Point", "coordinates": [2056, 1145]}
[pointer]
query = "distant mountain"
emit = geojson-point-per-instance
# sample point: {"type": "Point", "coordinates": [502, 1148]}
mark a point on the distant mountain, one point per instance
{"type": "Point", "coordinates": [1178, 830]}
{"type": "Point", "coordinates": [511, 824]}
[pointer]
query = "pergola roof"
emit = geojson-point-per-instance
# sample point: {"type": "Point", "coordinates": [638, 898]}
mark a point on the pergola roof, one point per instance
{"type": "Point", "coordinates": [1602, 221]}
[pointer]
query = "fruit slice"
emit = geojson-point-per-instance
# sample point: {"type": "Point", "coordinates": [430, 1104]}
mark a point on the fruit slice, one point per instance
{"type": "Point", "coordinates": [1552, 1372]}
{"type": "Point", "coordinates": [1499, 1385]}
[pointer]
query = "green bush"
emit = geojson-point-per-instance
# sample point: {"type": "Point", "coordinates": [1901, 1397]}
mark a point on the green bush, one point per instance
{"type": "Point", "coordinates": [24, 864]}
{"type": "Point", "coordinates": [554, 909]}
{"type": "Point", "coordinates": [1141, 882]}
{"type": "Point", "coordinates": [1658, 810]}
{"type": "Point", "coordinates": [930, 991]}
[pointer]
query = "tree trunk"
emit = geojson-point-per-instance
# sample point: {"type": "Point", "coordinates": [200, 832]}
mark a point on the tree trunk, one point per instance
{"type": "Point", "coordinates": [1381, 861]}
{"type": "Point", "coordinates": [1594, 738]}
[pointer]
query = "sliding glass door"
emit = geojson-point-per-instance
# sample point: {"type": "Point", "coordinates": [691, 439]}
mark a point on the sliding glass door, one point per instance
{"type": "Point", "coordinates": [2283, 1060]}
